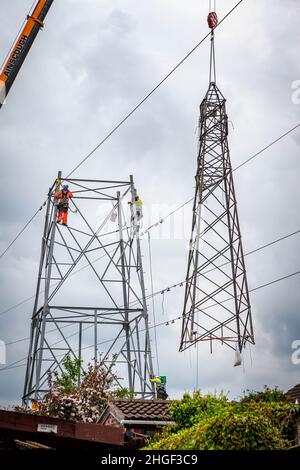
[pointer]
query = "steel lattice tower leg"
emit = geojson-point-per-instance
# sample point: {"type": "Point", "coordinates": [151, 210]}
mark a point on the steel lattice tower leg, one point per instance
{"type": "Point", "coordinates": [216, 303]}
{"type": "Point", "coordinates": [110, 254]}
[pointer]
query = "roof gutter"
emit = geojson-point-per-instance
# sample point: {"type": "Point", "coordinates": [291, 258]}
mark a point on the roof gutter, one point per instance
{"type": "Point", "coordinates": [149, 423]}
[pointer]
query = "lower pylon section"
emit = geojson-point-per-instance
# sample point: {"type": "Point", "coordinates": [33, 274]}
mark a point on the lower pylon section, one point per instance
{"type": "Point", "coordinates": [90, 300]}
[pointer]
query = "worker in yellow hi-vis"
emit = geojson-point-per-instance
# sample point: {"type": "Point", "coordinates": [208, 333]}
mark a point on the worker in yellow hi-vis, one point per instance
{"type": "Point", "coordinates": [160, 385]}
{"type": "Point", "coordinates": [137, 208]}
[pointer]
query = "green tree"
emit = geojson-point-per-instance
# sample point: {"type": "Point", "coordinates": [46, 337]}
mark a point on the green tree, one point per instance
{"type": "Point", "coordinates": [67, 380]}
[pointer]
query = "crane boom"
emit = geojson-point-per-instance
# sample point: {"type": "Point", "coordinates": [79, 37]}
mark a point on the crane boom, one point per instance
{"type": "Point", "coordinates": [11, 68]}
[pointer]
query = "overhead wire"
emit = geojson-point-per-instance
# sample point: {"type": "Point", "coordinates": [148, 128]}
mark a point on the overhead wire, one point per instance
{"type": "Point", "coordinates": [273, 242]}
{"type": "Point", "coordinates": [181, 206]}
{"type": "Point", "coordinates": [172, 321]}
{"type": "Point", "coordinates": [275, 281]}
{"type": "Point", "coordinates": [161, 291]}
{"type": "Point", "coordinates": [179, 284]}
{"type": "Point", "coordinates": [22, 230]}
{"type": "Point", "coordinates": [262, 286]}
{"type": "Point", "coordinates": [22, 302]}
{"type": "Point", "coordinates": [13, 364]}
{"type": "Point", "coordinates": [265, 148]}
{"type": "Point", "coordinates": [164, 79]}
{"type": "Point", "coordinates": [234, 169]}
{"type": "Point", "coordinates": [160, 221]}
{"type": "Point", "coordinates": [18, 34]}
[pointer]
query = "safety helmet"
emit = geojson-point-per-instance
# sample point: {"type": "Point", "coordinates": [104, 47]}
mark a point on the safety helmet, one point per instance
{"type": "Point", "coordinates": [65, 187]}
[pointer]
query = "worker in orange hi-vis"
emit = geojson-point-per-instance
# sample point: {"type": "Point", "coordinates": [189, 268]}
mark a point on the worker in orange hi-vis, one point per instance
{"type": "Point", "coordinates": [63, 197]}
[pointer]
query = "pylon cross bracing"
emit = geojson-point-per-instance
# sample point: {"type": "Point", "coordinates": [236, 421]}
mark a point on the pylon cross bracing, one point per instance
{"type": "Point", "coordinates": [216, 302]}
{"type": "Point", "coordinates": [90, 298]}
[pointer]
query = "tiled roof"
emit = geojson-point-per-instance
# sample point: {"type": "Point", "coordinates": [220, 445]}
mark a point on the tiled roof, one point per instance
{"type": "Point", "coordinates": [146, 410]}
{"type": "Point", "coordinates": [294, 393]}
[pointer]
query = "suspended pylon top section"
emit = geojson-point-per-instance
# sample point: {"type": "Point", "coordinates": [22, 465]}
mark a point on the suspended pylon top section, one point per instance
{"type": "Point", "coordinates": [216, 305]}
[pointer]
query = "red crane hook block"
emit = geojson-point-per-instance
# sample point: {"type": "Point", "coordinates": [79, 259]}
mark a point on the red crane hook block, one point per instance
{"type": "Point", "coordinates": [212, 20]}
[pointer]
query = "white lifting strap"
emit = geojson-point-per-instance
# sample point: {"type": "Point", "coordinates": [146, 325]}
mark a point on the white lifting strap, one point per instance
{"type": "Point", "coordinates": [238, 357]}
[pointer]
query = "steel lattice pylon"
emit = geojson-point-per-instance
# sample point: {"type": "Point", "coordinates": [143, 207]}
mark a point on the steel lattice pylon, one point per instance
{"type": "Point", "coordinates": [216, 303]}
{"type": "Point", "coordinates": [105, 303]}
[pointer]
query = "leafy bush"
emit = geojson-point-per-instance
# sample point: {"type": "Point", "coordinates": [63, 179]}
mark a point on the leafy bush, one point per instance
{"type": "Point", "coordinates": [191, 409]}
{"type": "Point", "coordinates": [242, 432]}
{"type": "Point", "coordinates": [215, 423]}
{"type": "Point", "coordinates": [225, 432]}
{"type": "Point", "coordinates": [124, 393]}
{"type": "Point", "coordinates": [268, 395]}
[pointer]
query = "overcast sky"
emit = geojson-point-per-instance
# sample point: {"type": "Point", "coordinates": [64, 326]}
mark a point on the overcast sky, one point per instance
{"type": "Point", "coordinates": [92, 63]}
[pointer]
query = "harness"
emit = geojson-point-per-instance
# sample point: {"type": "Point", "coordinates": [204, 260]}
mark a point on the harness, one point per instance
{"type": "Point", "coordinates": [63, 204]}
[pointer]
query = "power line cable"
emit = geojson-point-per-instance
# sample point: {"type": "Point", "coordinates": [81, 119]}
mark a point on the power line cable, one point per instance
{"type": "Point", "coordinates": [161, 291]}
{"type": "Point", "coordinates": [167, 289]}
{"type": "Point", "coordinates": [160, 221]}
{"type": "Point", "coordinates": [262, 286]}
{"type": "Point", "coordinates": [235, 169]}
{"type": "Point", "coordinates": [128, 116]}
{"type": "Point", "coordinates": [274, 282]}
{"type": "Point", "coordinates": [18, 34]}
{"type": "Point", "coordinates": [150, 93]}
{"type": "Point", "coordinates": [22, 230]}
{"type": "Point", "coordinates": [180, 207]}
{"type": "Point", "coordinates": [267, 147]}
{"type": "Point", "coordinates": [22, 302]}
{"type": "Point", "coordinates": [172, 320]}
{"type": "Point", "coordinates": [246, 161]}
{"type": "Point", "coordinates": [256, 250]}
{"type": "Point", "coordinates": [11, 366]}
{"type": "Point", "coordinates": [171, 213]}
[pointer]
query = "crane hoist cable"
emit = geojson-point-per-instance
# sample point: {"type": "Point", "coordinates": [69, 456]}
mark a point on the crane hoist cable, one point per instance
{"type": "Point", "coordinates": [129, 115]}
{"type": "Point", "coordinates": [182, 205]}
{"type": "Point", "coordinates": [212, 21]}
{"type": "Point", "coordinates": [16, 38]}
{"type": "Point", "coordinates": [161, 82]}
